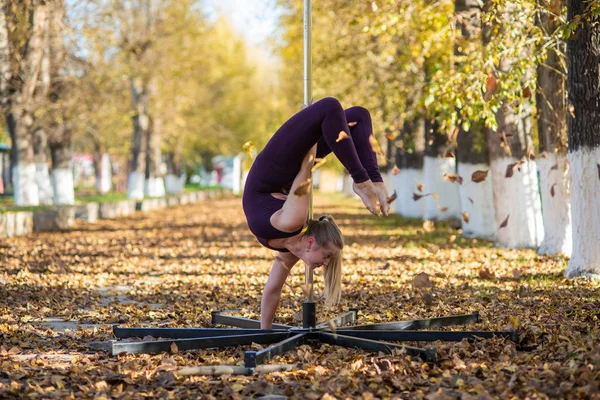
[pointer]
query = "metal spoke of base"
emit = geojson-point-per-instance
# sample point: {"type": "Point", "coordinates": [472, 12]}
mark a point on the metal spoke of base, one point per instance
{"type": "Point", "coordinates": [420, 323]}
{"type": "Point", "coordinates": [254, 358]}
{"type": "Point", "coordinates": [221, 319]}
{"type": "Point", "coordinates": [158, 346]}
{"type": "Point", "coordinates": [346, 318]}
{"type": "Point", "coordinates": [426, 336]}
{"type": "Point", "coordinates": [185, 333]}
{"type": "Point", "coordinates": [374, 345]}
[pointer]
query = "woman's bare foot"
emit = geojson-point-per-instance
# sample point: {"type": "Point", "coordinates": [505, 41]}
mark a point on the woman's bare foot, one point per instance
{"type": "Point", "coordinates": [367, 193]}
{"type": "Point", "coordinates": [382, 195]}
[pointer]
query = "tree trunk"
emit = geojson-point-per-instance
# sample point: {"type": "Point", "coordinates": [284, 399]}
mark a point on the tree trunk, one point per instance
{"type": "Point", "coordinates": [583, 58]}
{"type": "Point", "coordinates": [155, 185]}
{"type": "Point", "coordinates": [409, 159]}
{"type": "Point", "coordinates": [435, 167]}
{"type": "Point", "coordinates": [175, 179]}
{"type": "Point", "coordinates": [42, 174]}
{"type": "Point", "coordinates": [18, 100]}
{"type": "Point", "coordinates": [141, 126]}
{"type": "Point", "coordinates": [103, 172]}
{"type": "Point", "coordinates": [552, 131]}
{"type": "Point", "coordinates": [515, 187]}
{"type": "Point", "coordinates": [517, 203]}
{"type": "Point", "coordinates": [62, 171]}
{"type": "Point", "coordinates": [476, 199]}
{"type": "Point", "coordinates": [5, 59]}
{"type": "Point", "coordinates": [23, 167]}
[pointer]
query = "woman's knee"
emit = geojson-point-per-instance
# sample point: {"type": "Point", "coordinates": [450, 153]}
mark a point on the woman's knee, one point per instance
{"type": "Point", "coordinates": [330, 103]}
{"type": "Point", "coordinates": [358, 113]}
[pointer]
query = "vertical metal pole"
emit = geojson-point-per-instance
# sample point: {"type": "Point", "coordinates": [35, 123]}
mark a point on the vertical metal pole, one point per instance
{"type": "Point", "coordinates": [307, 52]}
{"type": "Point", "coordinates": [308, 273]}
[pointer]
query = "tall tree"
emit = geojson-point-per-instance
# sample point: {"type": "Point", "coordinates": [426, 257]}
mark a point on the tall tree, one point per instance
{"type": "Point", "coordinates": [552, 131]}
{"type": "Point", "coordinates": [476, 198]}
{"type": "Point", "coordinates": [25, 85]}
{"type": "Point", "coordinates": [583, 60]}
{"type": "Point", "coordinates": [410, 145]}
{"type": "Point", "coordinates": [514, 176]}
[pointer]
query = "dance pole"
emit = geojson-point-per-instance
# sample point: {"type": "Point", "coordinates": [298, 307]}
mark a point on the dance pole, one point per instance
{"type": "Point", "coordinates": [309, 309]}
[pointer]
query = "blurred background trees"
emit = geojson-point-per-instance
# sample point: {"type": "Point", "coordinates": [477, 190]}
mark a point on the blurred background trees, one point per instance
{"type": "Point", "coordinates": [468, 98]}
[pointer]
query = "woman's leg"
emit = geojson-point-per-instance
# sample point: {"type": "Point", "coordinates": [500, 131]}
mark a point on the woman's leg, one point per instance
{"type": "Point", "coordinates": [362, 128]}
{"type": "Point", "coordinates": [324, 119]}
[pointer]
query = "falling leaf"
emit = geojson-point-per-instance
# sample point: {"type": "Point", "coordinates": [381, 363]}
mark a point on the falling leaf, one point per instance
{"type": "Point", "coordinates": [443, 209]}
{"type": "Point", "coordinates": [552, 190]}
{"type": "Point", "coordinates": [449, 155]}
{"type": "Point", "coordinates": [353, 123]}
{"type": "Point", "coordinates": [343, 135]}
{"type": "Point", "coordinates": [504, 223]}
{"type": "Point", "coordinates": [491, 86]}
{"type": "Point", "coordinates": [435, 196]}
{"type": "Point", "coordinates": [479, 176]}
{"type": "Point", "coordinates": [420, 187]}
{"type": "Point", "coordinates": [453, 178]}
{"type": "Point", "coordinates": [452, 238]}
{"type": "Point", "coordinates": [393, 197]}
{"type": "Point", "coordinates": [395, 170]}
{"type": "Point", "coordinates": [554, 167]}
{"type": "Point", "coordinates": [389, 136]}
{"type": "Point", "coordinates": [248, 148]}
{"type": "Point", "coordinates": [428, 226]}
{"type": "Point", "coordinates": [318, 163]}
{"type": "Point", "coordinates": [454, 134]}
{"type": "Point", "coordinates": [527, 92]}
{"type": "Point", "coordinates": [173, 347]}
{"type": "Point", "coordinates": [386, 266]}
{"type": "Point", "coordinates": [466, 217]}
{"type": "Point", "coordinates": [598, 171]}
{"type": "Point", "coordinates": [303, 188]}
{"type": "Point", "coordinates": [417, 197]}
{"type": "Point", "coordinates": [471, 200]}
{"type": "Point", "coordinates": [543, 155]}
{"type": "Point", "coordinates": [510, 170]}
{"type": "Point", "coordinates": [485, 273]}
{"type": "Point", "coordinates": [530, 154]}
{"type": "Point", "coordinates": [421, 281]}
{"type": "Point", "coordinates": [571, 109]}
{"type": "Point", "coordinates": [375, 145]}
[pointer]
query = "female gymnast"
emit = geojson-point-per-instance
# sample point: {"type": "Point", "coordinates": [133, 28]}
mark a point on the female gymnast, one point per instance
{"type": "Point", "coordinates": [279, 218]}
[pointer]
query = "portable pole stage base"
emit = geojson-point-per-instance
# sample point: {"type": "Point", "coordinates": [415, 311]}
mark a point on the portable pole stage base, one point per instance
{"type": "Point", "coordinates": [283, 338]}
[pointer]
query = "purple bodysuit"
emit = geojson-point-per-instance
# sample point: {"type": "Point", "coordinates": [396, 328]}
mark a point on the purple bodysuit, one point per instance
{"type": "Point", "coordinates": [277, 165]}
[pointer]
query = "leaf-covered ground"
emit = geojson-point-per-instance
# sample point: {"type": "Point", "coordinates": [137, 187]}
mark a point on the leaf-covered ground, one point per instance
{"type": "Point", "coordinates": [172, 267]}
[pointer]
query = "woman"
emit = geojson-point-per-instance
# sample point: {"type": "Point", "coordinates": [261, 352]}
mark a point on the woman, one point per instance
{"type": "Point", "coordinates": [277, 213]}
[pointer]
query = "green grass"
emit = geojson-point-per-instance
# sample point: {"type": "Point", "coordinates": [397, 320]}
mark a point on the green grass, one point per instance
{"type": "Point", "coordinates": [101, 198]}
{"type": "Point", "coordinates": [194, 188]}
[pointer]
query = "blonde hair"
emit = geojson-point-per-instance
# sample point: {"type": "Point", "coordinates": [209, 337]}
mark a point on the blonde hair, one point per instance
{"type": "Point", "coordinates": [326, 234]}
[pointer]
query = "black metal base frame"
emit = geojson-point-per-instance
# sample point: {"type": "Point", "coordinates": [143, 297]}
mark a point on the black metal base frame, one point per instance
{"type": "Point", "coordinates": [283, 338]}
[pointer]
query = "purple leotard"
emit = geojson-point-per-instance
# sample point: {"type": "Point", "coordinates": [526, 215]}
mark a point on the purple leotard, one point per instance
{"type": "Point", "coordinates": [275, 168]}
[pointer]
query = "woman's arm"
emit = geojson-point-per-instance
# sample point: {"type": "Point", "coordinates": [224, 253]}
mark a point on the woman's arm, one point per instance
{"type": "Point", "coordinates": [294, 212]}
{"type": "Point", "coordinates": [272, 292]}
